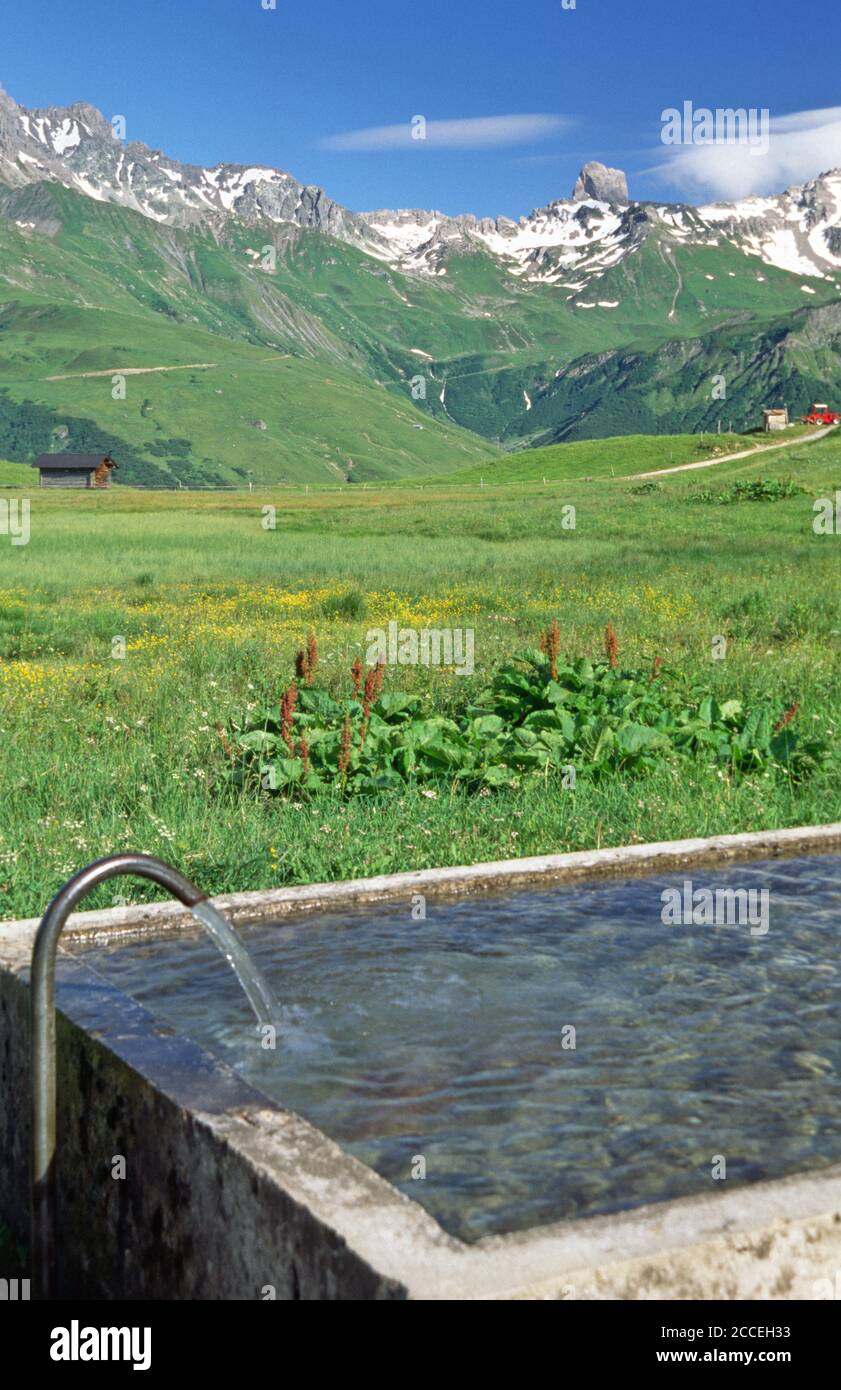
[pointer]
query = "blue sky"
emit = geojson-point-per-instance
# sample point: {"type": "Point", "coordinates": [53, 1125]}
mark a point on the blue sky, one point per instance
{"type": "Point", "coordinates": [211, 80]}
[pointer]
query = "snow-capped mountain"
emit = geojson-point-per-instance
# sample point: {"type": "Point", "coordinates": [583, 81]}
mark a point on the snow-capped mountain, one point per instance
{"type": "Point", "coordinates": [800, 230]}
{"type": "Point", "coordinates": [566, 243]}
{"type": "Point", "coordinates": [569, 243]}
{"type": "Point", "coordinates": [78, 147]}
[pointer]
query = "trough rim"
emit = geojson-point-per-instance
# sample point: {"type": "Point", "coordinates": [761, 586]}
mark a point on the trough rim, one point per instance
{"type": "Point", "coordinates": [623, 861]}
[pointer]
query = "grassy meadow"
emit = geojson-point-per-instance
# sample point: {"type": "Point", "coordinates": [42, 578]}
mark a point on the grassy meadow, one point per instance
{"type": "Point", "coordinates": [103, 753]}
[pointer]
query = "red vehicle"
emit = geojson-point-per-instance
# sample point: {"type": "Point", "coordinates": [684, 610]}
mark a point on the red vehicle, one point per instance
{"type": "Point", "coordinates": [821, 415]}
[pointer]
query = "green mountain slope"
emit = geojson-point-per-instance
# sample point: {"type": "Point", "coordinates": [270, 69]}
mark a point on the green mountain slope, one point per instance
{"type": "Point", "coordinates": [692, 383]}
{"type": "Point", "coordinates": [301, 358]}
{"type": "Point", "coordinates": [98, 289]}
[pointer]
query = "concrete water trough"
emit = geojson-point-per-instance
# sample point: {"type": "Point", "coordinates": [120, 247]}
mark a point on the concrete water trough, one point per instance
{"type": "Point", "coordinates": [184, 1172]}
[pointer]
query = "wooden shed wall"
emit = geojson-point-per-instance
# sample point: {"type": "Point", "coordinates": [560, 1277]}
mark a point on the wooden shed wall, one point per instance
{"type": "Point", "coordinates": [66, 477]}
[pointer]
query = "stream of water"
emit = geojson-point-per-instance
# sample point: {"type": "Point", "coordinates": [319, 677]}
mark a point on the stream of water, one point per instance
{"type": "Point", "coordinates": [225, 938]}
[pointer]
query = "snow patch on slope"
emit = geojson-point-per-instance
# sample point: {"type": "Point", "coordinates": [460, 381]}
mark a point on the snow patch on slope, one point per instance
{"type": "Point", "coordinates": [67, 137]}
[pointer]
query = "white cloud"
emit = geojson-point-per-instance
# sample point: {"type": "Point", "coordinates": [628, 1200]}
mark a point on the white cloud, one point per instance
{"type": "Point", "coordinates": [800, 146]}
{"type": "Point", "coordinates": [479, 132]}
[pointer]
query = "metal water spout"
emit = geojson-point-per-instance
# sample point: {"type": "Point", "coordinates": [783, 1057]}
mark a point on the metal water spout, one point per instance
{"type": "Point", "coordinates": [42, 984]}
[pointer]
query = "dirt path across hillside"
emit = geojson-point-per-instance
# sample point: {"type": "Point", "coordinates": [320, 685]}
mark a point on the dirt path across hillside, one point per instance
{"type": "Point", "coordinates": [742, 454]}
{"type": "Point", "coordinates": [134, 371]}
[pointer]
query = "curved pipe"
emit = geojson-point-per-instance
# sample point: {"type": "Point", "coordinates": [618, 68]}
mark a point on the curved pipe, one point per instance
{"type": "Point", "coordinates": [42, 985]}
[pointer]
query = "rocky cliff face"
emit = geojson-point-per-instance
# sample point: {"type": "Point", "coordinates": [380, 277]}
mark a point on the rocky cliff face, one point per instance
{"type": "Point", "coordinates": [599, 182]}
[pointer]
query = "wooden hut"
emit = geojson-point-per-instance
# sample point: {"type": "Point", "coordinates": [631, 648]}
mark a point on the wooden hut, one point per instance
{"type": "Point", "coordinates": [75, 470]}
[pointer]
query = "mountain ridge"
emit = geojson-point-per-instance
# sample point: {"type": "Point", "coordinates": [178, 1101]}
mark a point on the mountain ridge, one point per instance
{"type": "Point", "coordinates": [77, 145]}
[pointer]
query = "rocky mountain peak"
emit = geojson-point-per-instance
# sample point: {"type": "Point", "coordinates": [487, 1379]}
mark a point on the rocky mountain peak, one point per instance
{"type": "Point", "coordinates": [91, 120]}
{"type": "Point", "coordinates": [598, 181]}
